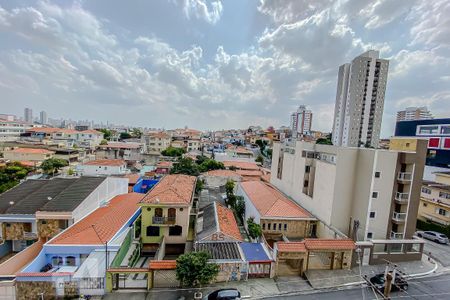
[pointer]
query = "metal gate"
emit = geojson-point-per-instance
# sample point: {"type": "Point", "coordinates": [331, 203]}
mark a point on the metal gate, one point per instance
{"type": "Point", "coordinates": [165, 279]}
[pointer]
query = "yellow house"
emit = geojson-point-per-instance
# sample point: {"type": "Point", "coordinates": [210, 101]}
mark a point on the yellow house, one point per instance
{"type": "Point", "coordinates": [435, 200]}
{"type": "Point", "coordinates": [166, 213]}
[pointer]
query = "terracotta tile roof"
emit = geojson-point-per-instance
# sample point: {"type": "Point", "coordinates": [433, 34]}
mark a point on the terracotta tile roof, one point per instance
{"type": "Point", "coordinates": [222, 173]}
{"type": "Point", "coordinates": [249, 172]}
{"type": "Point", "coordinates": [243, 165]}
{"type": "Point", "coordinates": [21, 259]}
{"type": "Point", "coordinates": [46, 130]}
{"type": "Point", "coordinates": [107, 220]}
{"type": "Point", "coordinates": [31, 151]}
{"type": "Point", "coordinates": [227, 222]}
{"type": "Point", "coordinates": [91, 131]}
{"type": "Point", "coordinates": [172, 189]}
{"type": "Point", "coordinates": [67, 131]}
{"type": "Point", "coordinates": [162, 264]}
{"type": "Point", "coordinates": [266, 178]}
{"type": "Point", "coordinates": [160, 135]}
{"type": "Point", "coordinates": [132, 178]}
{"type": "Point", "coordinates": [272, 203]}
{"type": "Point", "coordinates": [120, 145]}
{"type": "Point", "coordinates": [105, 162]}
{"type": "Point", "coordinates": [325, 244]}
{"type": "Point", "coordinates": [164, 164]}
{"type": "Point", "coordinates": [291, 247]}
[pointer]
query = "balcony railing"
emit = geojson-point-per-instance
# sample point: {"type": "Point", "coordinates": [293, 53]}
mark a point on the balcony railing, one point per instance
{"type": "Point", "coordinates": [399, 217]}
{"type": "Point", "coordinates": [404, 176]}
{"type": "Point", "coordinates": [402, 197]}
{"type": "Point", "coordinates": [164, 220]}
{"type": "Point", "coordinates": [30, 235]}
{"type": "Point", "coordinates": [396, 235]}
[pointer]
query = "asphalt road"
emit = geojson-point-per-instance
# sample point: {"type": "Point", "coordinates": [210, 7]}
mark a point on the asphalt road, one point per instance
{"type": "Point", "coordinates": [432, 287]}
{"type": "Point", "coordinates": [439, 252]}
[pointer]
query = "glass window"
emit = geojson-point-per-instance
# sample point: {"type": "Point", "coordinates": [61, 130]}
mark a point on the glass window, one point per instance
{"type": "Point", "coordinates": [444, 195]}
{"type": "Point", "coordinates": [426, 190]}
{"type": "Point", "coordinates": [374, 194]}
{"type": "Point", "coordinates": [427, 129]}
{"type": "Point", "coordinates": [442, 212]}
{"type": "Point", "coordinates": [57, 260]}
{"type": "Point", "coordinates": [152, 231]}
{"type": "Point", "coordinates": [372, 214]}
{"type": "Point", "coordinates": [377, 174]}
{"type": "Point", "coordinates": [445, 129]}
{"type": "Point", "coordinates": [70, 261]}
{"type": "Point", "coordinates": [263, 226]}
{"type": "Point", "coordinates": [279, 226]}
{"type": "Point", "coordinates": [175, 230]}
{"type": "Point", "coordinates": [268, 226]}
{"type": "Point", "coordinates": [369, 235]}
{"type": "Point", "coordinates": [285, 226]}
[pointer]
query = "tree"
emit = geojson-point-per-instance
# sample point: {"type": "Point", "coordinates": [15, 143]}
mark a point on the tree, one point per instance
{"type": "Point", "coordinates": [210, 164]}
{"type": "Point", "coordinates": [262, 144]}
{"type": "Point", "coordinates": [52, 165]}
{"type": "Point", "coordinates": [136, 132]}
{"type": "Point", "coordinates": [173, 152]}
{"type": "Point", "coordinates": [70, 172]}
{"type": "Point", "coordinates": [185, 166]}
{"type": "Point", "coordinates": [193, 269]}
{"type": "Point", "coordinates": [239, 207]}
{"type": "Point", "coordinates": [107, 134]}
{"type": "Point", "coordinates": [325, 141]}
{"type": "Point", "coordinates": [254, 230]}
{"type": "Point", "coordinates": [229, 187]}
{"type": "Point", "coordinates": [260, 159]}
{"type": "Point", "coordinates": [199, 185]}
{"type": "Point", "coordinates": [11, 174]}
{"type": "Point", "coordinates": [124, 135]}
{"type": "Point", "coordinates": [200, 159]}
{"type": "Point", "coordinates": [104, 142]}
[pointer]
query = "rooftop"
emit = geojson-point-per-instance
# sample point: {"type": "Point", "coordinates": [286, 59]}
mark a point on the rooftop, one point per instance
{"type": "Point", "coordinates": [47, 130]}
{"type": "Point", "coordinates": [316, 244]}
{"type": "Point", "coordinates": [31, 151]}
{"type": "Point", "coordinates": [172, 189]}
{"type": "Point", "coordinates": [106, 220]}
{"type": "Point", "coordinates": [222, 173]}
{"type": "Point", "coordinates": [272, 203]}
{"type": "Point", "coordinates": [121, 145]}
{"type": "Point", "coordinates": [106, 162]}
{"type": "Point", "coordinates": [221, 250]}
{"type": "Point", "coordinates": [162, 264]}
{"type": "Point", "coordinates": [218, 218]}
{"type": "Point", "coordinates": [436, 185]}
{"type": "Point", "coordinates": [291, 246]}
{"type": "Point", "coordinates": [254, 252]}
{"type": "Point", "coordinates": [243, 165]}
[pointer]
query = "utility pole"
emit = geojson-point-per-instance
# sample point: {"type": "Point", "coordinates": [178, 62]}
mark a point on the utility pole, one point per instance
{"type": "Point", "coordinates": [388, 285]}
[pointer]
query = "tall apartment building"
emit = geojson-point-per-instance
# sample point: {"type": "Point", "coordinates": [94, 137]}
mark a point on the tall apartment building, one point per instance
{"type": "Point", "coordinates": [414, 113]}
{"type": "Point", "coordinates": [28, 115]}
{"type": "Point", "coordinates": [301, 121]}
{"type": "Point", "coordinates": [364, 193]}
{"type": "Point", "coordinates": [43, 117]}
{"type": "Point", "coordinates": [11, 130]}
{"type": "Point", "coordinates": [360, 101]}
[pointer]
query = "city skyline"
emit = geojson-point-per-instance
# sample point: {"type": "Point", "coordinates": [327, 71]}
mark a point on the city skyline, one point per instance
{"type": "Point", "coordinates": [202, 70]}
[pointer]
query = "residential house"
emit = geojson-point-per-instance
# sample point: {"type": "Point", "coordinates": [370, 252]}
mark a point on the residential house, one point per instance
{"type": "Point", "coordinates": [166, 215]}
{"type": "Point", "coordinates": [155, 142]}
{"type": "Point", "coordinates": [89, 138]}
{"type": "Point", "coordinates": [74, 262]}
{"type": "Point", "coordinates": [28, 154]}
{"type": "Point", "coordinates": [435, 200]}
{"type": "Point", "coordinates": [105, 167]}
{"type": "Point", "coordinates": [130, 152]}
{"type": "Point", "coordinates": [193, 145]}
{"type": "Point", "coordinates": [163, 167]}
{"type": "Point", "coordinates": [11, 130]}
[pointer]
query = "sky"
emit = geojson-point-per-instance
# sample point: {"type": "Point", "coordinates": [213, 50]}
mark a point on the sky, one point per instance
{"type": "Point", "coordinates": [216, 64]}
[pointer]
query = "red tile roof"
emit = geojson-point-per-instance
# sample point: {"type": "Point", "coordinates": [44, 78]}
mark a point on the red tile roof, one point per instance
{"type": "Point", "coordinates": [46, 130]}
{"type": "Point", "coordinates": [243, 165]}
{"type": "Point", "coordinates": [162, 264]}
{"type": "Point", "coordinates": [91, 131]}
{"type": "Point", "coordinates": [291, 247]}
{"type": "Point", "coordinates": [222, 173]}
{"type": "Point", "coordinates": [106, 162]}
{"type": "Point", "coordinates": [132, 178]}
{"type": "Point", "coordinates": [325, 244]}
{"type": "Point", "coordinates": [172, 189]}
{"type": "Point", "coordinates": [32, 151]}
{"type": "Point", "coordinates": [227, 222]}
{"type": "Point", "coordinates": [161, 135]}
{"type": "Point", "coordinates": [272, 203]}
{"type": "Point", "coordinates": [67, 131]}
{"type": "Point", "coordinates": [164, 164]}
{"type": "Point", "coordinates": [107, 220]}
{"type": "Point", "coordinates": [249, 172]}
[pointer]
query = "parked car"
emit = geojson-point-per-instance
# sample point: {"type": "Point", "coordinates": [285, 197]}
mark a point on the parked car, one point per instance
{"type": "Point", "coordinates": [400, 283]}
{"type": "Point", "coordinates": [224, 294]}
{"type": "Point", "coordinates": [433, 236]}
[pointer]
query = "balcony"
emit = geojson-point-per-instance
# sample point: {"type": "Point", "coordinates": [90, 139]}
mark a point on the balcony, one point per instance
{"type": "Point", "coordinates": [404, 176]}
{"type": "Point", "coordinates": [164, 220]}
{"type": "Point", "coordinates": [399, 217]}
{"type": "Point", "coordinates": [396, 235]}
{"type": "Point", "coordinates": [402, 197]}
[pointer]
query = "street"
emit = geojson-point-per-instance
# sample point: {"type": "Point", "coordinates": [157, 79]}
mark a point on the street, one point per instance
{"type": "Point", "coordinates": [439, 252]}
{"type": "Point", "coordinates": [432, 287]}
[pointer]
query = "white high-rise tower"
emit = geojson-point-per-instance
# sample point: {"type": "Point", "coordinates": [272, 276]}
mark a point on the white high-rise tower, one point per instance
{"type": "Point", "coordinates": [301, 121]}
{"type": "Point", "coordinates": [360, 101]}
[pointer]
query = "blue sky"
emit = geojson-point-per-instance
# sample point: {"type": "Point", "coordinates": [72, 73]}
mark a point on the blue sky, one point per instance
{"type": "Point", "coordinates": [216, 64]}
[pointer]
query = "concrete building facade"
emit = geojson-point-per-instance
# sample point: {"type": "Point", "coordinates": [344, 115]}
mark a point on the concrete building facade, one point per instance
{"type": "Point", "coordinates": [414, 113]}
{"type": "Point", "coordinates": [360, 101]}
{"type": "Point", "coordinates": [301, 121]}
{"type": "Point", "coordinates": [364, 193]}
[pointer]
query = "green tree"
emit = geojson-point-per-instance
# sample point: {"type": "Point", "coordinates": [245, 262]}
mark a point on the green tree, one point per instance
{"type": "Point", "coordinates": [260, 159]}
{"type": "Point", "coordinates": [136, 132]}
{"type": "Point", "coordinates": [325, 141]}
{"type": "Point", "coordinates": [239, 207]}
{"type": "Point", "coordinates": [107, 134]}
{"type": "Point", "coordinates": [200, 159]}
{"type": "Point", "coordinates": [11, 174]}
{"type": "Point", "coordinates": [173, 152]}
{"type": "Point", "coordinates": [199, 185]}
{"type": "Point", "coordinates": [229, 187]}
{"type": "Point", "coordinates": [262, 144]}
{"type": "Point", "coordinates": [210, 164]}
{"type": "Point", "coordinates": [52, 165]}
{"type": "Point", "coordinates": [254, 229]}
{"type": "Point", "coordinates": [185, 166]}
{"type": "Point", "coordinates": [194, 270]}
{"type": "Point", "coordinates": [104, 142]}
{"type": "Point", "coordinates": [70, 172]}
{"type": "Point", "coordinates": [124, 135]}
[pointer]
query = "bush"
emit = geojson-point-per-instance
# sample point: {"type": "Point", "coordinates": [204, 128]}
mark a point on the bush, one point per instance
{"type": "Point", "coordinates": [254, 229]}
{"type": "Point", "coordinates": [173, 152]}
{"type": "Point", "coordinates": [427, 226]}
{"type": "Point", "coordinates": [194, 270]}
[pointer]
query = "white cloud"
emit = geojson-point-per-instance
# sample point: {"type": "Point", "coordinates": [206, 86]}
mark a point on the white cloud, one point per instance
{"type": "Point", "coordinates": [209, 11]}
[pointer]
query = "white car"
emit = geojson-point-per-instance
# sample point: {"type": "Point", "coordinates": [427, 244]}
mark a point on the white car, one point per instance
{"type": "Point", "coordinates": [433, 236]}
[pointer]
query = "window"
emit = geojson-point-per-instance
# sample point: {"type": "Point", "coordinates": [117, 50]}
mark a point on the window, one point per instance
{"type": "Point", "coordinates": [428, 129]}
{"type": "Point", "coordinates": [57, 260]}
{"type": "Point", "coordinates": [152, 231]}
{"type": "Point", "coordinates": [70, 261]}
{"type": "Point", "coordinates": [369, 235]}
{"type": "Point", "coordinates": [445, 129]}
{"type": "Point", "coordinates": [268, 226]}
{"type": "Point", "coordinates": [158, 212]}
{"type": "Point", "coordinates": [175, 230]}
{"type": "Point", "coordinates": [285, 227]}
{"type": "Point", "coordinates": [263, 226]}
{"type": "Point", "coordinates": [424, 204]}
{"type": "Point", "coordinates": [377, 174]}
{"type": "Point", "coordinates": [307, 169]}
{"type": "Point", "coordinates": [372, 214]}
{"type": "Point", "coordinates": [426, 190]}
{"type": "Point", "coordinates": [441, 211]}
{"type": "Point", "coordinates": [444, 195]}
{"type": "Point", "coordinates": [374, 194]}
{"type": "Point", "coordinates": [279, 226]}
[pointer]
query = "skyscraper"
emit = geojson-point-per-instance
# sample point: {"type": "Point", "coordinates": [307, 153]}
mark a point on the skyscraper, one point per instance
{"type": "Point", "coordinates": [414, 113]}
{"type": "Point", "coordinates": [28, 115]}
{"type": "Point", "coordinates": [43, 117]}
{"type": "Point", "coordinates": [301, 121]}
{"type": "Point", "coordinates": [360, 101]}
